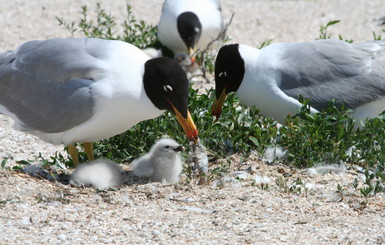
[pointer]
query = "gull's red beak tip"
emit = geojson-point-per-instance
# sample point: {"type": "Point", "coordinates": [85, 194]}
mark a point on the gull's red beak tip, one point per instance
{"type": "Point", "coordinates": [193, 135]}
{"type": "Point", "coordinates": [216, 114]}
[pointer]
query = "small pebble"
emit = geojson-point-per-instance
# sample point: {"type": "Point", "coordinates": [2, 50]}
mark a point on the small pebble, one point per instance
{"type": "Point", "coordinates": [156, 232]}
{"type": "Point", "coordinates": [62, 237]}
{"type": "Point", "coordinates": [26, 220]}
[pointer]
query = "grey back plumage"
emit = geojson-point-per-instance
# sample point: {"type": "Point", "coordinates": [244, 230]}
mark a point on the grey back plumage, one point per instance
{"type": "Point", "coordinates": [43, 81]}
{"type": "Point", "coordinates": [342, 70]}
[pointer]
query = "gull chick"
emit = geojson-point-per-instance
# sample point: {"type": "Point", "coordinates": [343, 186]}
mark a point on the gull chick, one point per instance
{"type": "Point", "coordinates": [100, 173]}
{"type": "Point", "coordinates": [162, 163]}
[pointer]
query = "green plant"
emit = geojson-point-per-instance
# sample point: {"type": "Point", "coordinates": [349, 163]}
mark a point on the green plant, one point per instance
{"type": "Point", "coordinates": [355, 183]}
{"type": "Point", "coordinates": [370, 141]}
{"type": "Point", "coordinates": [374, 182]}
{"type": "Point", "coordinates": [340, 189]}
{"type": "Point", "coordinates": [320, 137]}
{"type": "Point", "coordinates": [135, 32]}
{"type": "Point", "coordinates": [220, 170]}
{"type": "Point", "coordinates": [324, 34]}
{"type": "Point", "coordinates": [377, 37]}
{"type": "Point", "coordinates": [265, 43]}
{"type": "Point", "coordinates": [294, 187]}
{"type": "Point", "coordinates": [4, 162]}
{"type": "Point", "coordinates": [57, 161]}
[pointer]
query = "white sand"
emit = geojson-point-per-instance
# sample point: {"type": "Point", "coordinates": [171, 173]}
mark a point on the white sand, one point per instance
{"type": "Point", "coordinates": [34, 211]}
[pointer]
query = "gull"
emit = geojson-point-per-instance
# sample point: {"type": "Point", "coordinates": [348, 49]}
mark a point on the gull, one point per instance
{"type": "Point", "coordinates": [272, 79]}
{"type": "Point", "coordinates": [380, 20]}
{"type": "Point", "coordinates": [100, 173]}
{"type": "Point", "coordinates": [185, 26]}
{"type": "Point", "coordinates": [162, 163]}
{"type": "Point", "coordinates": [84, 90]}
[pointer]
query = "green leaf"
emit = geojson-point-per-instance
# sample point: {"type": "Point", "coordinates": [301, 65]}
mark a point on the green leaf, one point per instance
{"type": "Point", "coordinates": [3, 162]}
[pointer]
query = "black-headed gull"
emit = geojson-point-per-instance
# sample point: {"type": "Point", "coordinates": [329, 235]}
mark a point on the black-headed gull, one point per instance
{"type": "Point", "coordinates": [84, 90]}
{"type": "Point", "coordinates": [273, 78]}
{"type": "Point", "coordinates": [186, 25]}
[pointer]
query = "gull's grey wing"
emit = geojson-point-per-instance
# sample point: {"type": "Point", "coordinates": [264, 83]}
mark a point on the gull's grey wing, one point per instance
{"type": "Point", "coordinates": [47, 84]}
{"type": "Point", "coordinates": [331, 69]}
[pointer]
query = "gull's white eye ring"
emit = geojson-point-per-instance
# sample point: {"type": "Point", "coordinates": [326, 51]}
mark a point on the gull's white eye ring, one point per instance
{"type": "Point", "coordinates": [222, 74]}
{"type": "Point", "coordinates": [168, 88]}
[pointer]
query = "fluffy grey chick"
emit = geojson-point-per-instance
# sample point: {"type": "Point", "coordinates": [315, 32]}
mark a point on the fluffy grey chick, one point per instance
{"type": "Point", "coordinates": [162, 163]}
{"type": "Point", "coordinates": [100, 173]}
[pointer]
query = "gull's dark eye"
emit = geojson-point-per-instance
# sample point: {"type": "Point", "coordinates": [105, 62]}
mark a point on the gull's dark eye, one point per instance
{"type": "Point", "coordinates": [167, 147]}
{"type": "Point", "coordinates": [168, 89]}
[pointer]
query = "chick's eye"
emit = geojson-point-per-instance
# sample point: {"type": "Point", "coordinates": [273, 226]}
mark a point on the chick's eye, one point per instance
{"type": "Point", "coordinates": [167, 147]}
{"type": "Point", "coordinates": [168, 89]}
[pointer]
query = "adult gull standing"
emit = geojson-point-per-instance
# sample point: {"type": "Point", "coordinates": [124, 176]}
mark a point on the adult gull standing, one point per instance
{"type": "Point", "coordinates": [84, 90]}
{"type": "Point", "coordinates": [272, 79]}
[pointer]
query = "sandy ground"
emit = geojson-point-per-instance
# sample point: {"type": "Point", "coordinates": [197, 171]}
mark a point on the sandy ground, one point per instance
{"type": "Point", "coordinates": [36, 211]}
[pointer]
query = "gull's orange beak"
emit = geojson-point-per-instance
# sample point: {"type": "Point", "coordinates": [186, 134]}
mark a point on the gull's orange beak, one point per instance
{"type": "Point", "coordinates": [216, 109]}
{"type": "Point", "coordinates": [187, 124]}
{"type": "Point", "coordinates": [191, 53]}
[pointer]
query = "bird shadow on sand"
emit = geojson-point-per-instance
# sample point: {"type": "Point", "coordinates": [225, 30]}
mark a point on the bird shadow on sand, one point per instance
{"type": "Point", "coordinates": [64, 177]}
{"type": "Point", "coordinates": [130, 179]}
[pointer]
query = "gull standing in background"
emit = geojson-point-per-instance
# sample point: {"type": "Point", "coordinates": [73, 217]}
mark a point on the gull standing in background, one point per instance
{"type": "Point", "coordinates": [84, 90]}
{"type": "Point", "coordinates": [185, 25]}
{"type": "Point", "coordinates": [273, 78]}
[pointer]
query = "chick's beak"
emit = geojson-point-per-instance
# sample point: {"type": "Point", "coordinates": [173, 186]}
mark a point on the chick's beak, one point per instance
{"type": "Point", "coordinates": [187, 124]}
{"type": "Point", "coordinates": [216, 109]}
{"type": "Point", "coordinates": [179, 148]}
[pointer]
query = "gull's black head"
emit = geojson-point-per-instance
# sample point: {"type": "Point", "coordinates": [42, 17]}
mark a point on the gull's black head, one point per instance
{"type": "Point", "coordinates": [167, 86]}
{"type": "Point", "coordinates": [229, 69]}
{"type": "Point", "coordinates": [229, 72]}
{"type": "Point", "coordinates": [190, 30]}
